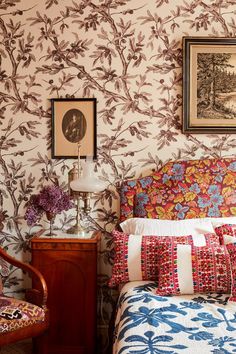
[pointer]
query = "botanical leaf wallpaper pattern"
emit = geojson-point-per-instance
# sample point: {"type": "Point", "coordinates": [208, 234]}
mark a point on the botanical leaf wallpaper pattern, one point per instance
{"type": "Point", "coordinates": [127, 54]}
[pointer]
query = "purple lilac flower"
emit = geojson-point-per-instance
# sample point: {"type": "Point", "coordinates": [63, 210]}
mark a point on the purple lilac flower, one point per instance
{"type": "Point", "coordinates": [64, 203]}
{"type": "Point", "coordinates": [50, 199]}
{"type": "Point", "coordinates": [33, 214]}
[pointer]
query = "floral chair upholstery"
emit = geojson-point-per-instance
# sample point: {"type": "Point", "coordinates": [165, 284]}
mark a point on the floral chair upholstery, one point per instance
{"type": "Point", "coordinates": [23, 319]}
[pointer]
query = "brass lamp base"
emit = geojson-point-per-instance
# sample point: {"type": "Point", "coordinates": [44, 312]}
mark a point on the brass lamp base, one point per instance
{"type": "Point", "coordinates": [77, 230]}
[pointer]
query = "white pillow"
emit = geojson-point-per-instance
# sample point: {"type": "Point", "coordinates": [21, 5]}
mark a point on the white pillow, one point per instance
{"type": "Point", "coordinates": [229, 239]}
{"type": "Point", "coordinates": [156, 227]}
{"type": "Point", "coordinates": [221, 221]}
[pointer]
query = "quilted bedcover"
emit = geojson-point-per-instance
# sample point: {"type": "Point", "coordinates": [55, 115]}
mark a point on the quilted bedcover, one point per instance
{"type": "Point", "coordinates": [150, 324]}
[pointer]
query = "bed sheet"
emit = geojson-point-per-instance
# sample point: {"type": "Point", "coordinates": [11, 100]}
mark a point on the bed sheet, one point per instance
{"type": "Point", "coordinates": [150, 324]}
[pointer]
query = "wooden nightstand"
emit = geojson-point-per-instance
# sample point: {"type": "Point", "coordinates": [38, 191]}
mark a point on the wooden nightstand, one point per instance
{"type": "Point", "coordinates": [69, 266]}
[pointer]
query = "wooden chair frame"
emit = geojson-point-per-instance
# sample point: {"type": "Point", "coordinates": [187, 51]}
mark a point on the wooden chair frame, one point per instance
{"type": "Point", "coordinates": [35, 296]}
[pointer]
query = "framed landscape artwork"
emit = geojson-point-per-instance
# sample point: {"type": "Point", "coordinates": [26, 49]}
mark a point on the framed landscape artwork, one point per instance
{"type": "Point", "coordinates": [73, 123]}
{"type": "Point", "coordinates": [209, 85]}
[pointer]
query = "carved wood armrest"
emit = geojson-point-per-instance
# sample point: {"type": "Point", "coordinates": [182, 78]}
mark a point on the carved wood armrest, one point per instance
{"type": "Point", "coordinates": [39, 297]}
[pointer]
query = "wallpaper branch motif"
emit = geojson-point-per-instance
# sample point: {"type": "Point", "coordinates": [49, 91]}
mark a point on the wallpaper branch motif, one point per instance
{"type": "Point", "coordinates": [126, 55]}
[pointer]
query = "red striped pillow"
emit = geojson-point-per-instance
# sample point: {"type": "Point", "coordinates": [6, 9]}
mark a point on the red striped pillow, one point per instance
{"type": "Point", "coordinates": [136, 256]}
{"type": "Point", "coordinates": [186, 269]}
{"type": "Point", "coordinates": [232, 253]}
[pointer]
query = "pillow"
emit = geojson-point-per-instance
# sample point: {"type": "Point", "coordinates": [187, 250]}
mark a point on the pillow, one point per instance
{"type": "Point", "coordinates": [221, 221]}
{"type": "Point", "coordinates": [226, 233]}
{"type": "Point", "coordinates": [186, 269]}
{"type": "Point", "coordinates": [158, 227]}
{"type": "Point", "coordinates": [136, 256]}
{"type": "Point", "coordinates": [232, 253]}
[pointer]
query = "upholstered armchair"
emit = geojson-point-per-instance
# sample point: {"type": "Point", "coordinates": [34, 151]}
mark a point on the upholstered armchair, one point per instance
{"type": "Point", "coordinates": [24, 319]}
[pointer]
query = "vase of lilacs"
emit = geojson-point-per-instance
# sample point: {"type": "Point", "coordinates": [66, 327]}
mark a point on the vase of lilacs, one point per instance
{"type": "Point", "coordinates": [51, 200]}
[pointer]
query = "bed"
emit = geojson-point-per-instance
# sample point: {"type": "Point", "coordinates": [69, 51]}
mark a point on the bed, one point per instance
{"type": "Point", "coordinates": [147, 322]}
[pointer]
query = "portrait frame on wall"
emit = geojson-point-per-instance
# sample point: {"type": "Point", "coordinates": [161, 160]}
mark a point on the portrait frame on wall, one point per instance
{"type": "Point", "coordinates": [209, 85]}
{"type": "Point", "coordinates": [74, 121]}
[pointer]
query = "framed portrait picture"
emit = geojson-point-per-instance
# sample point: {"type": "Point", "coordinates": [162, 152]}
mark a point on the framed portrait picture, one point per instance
{"type": "Point", "coordinates": [209, 85]}
{"type": "Point", "coordinates": [73, 122]}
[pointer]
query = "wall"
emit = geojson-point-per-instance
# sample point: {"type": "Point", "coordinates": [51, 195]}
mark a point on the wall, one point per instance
{"type": "Point", "coordinates": [128, 55]}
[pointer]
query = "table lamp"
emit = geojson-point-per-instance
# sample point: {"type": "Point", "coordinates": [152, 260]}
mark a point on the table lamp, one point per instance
{"type": "Point", "coordinates": [86, 184]}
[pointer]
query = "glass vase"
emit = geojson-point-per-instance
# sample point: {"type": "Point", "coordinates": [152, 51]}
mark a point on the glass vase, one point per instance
{"type": "Point", "coordinates": [51, 218]}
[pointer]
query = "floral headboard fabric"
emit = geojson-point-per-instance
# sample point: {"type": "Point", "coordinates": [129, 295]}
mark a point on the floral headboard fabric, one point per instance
{"type": "Point", "coordinates": [182, 190]}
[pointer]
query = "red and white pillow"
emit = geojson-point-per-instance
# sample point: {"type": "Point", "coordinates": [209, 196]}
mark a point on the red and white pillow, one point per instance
{"type": "Point", "coordinates": [137, 256]}
{"type": "Point", "coordinates": [232, 253]}
{"type": "Point", "coordinates": [186, 269]}
{"type": "Point", "coordinates": [226, 233]}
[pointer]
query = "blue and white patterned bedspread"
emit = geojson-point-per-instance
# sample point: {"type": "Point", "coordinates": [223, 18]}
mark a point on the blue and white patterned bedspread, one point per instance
{"type": "Point", "coordinates": [150, 324]}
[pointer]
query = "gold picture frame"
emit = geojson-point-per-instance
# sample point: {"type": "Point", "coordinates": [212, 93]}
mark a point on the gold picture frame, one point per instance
{"type": "Point", "coordinates": [209, 85]}
{"type": "Point", "coordinates": [73, 122]}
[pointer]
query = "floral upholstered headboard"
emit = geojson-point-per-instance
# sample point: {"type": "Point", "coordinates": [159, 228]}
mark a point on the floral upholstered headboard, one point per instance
{"type": "Point", "coordinates": [180, 190]}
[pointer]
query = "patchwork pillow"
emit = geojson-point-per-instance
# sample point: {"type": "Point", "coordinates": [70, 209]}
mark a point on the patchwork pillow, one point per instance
{"type": "Point", "coordinates": [232, 253]}
{"type": "Point", "coordinates": [186, 269]}
{"type": "Point", "coordinates": [226, 233]}
{"type": "Point", "coordinates": [136, 256]}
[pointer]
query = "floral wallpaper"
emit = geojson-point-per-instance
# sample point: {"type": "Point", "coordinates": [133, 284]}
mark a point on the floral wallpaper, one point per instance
{"type": "Point", "coordinates": [127, 54]}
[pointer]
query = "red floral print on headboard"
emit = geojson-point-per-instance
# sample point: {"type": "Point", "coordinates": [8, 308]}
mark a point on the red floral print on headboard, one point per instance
{"type": "Point", "coordinates": [183, 190]}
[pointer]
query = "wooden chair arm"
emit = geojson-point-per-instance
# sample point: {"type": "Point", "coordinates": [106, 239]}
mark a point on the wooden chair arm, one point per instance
{"type": "Point", "coordinates": [40, 297]}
